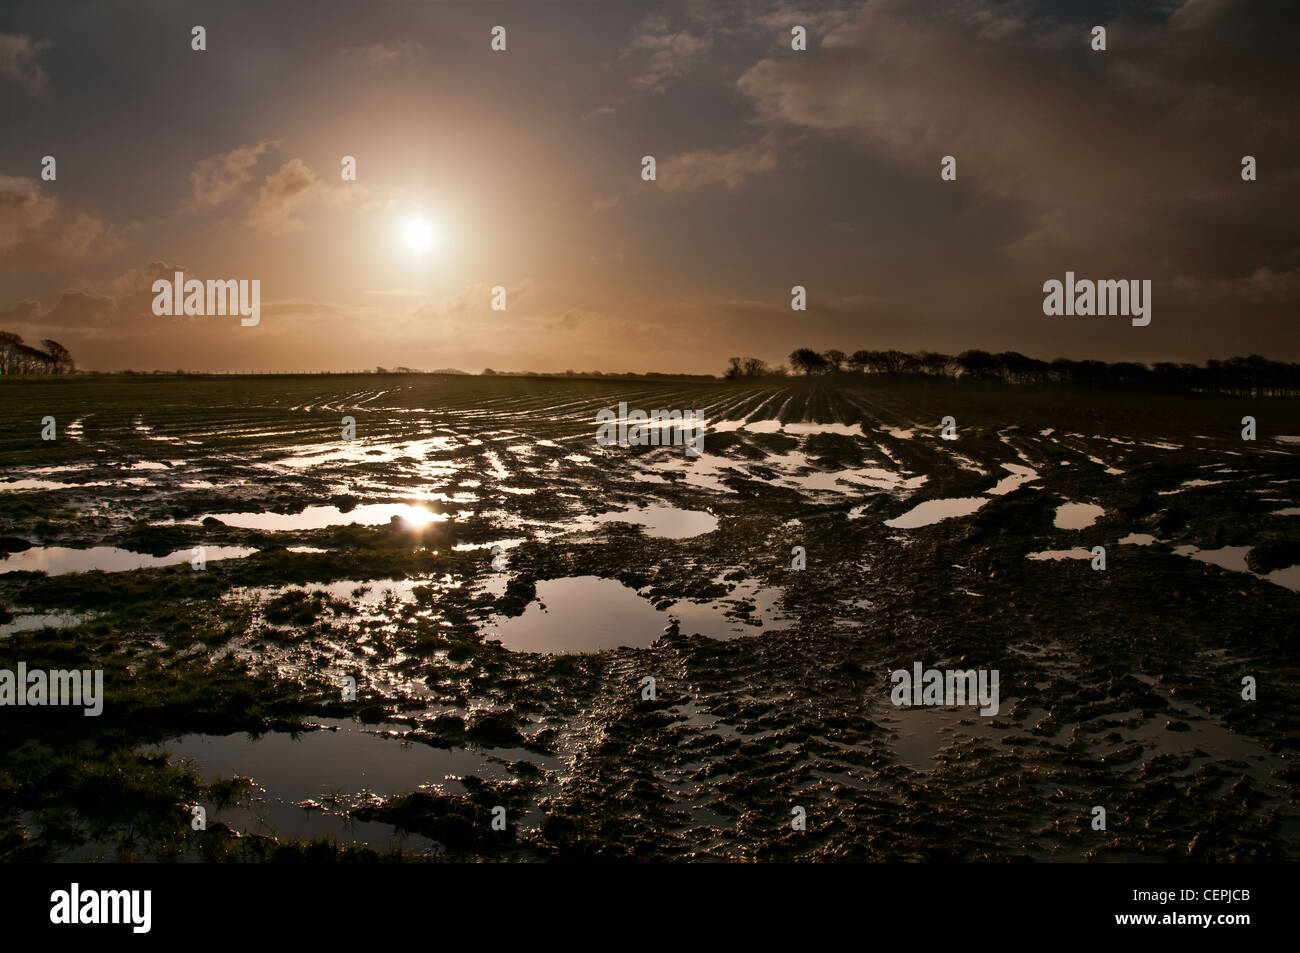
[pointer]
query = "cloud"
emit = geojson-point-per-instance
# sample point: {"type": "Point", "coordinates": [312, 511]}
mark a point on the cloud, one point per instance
{"type": "Point", "coordinates": [1261, 286]}
{"type": "Point", "coordinates": [477, 299]}
{"type": "Point", "coordinates": [1090, 155]}
{"type": "Point", "coordinates": [110, 323]}
{"type": "Point", "coordinates": [730, 167]}
{"type": "Point", "coordinates": [22, 314]}
{"type": "Point", "coordinates": [78, 237]}
{"type": "Point", "coordinates": [33, 227]}
{"type": "Point", "coordinates": [818, 21]}
{"type": "Point", "coordinates": [382, 54]}
{"type": "Point", "coordinates": [671, 52]}
{"type": "Point", "coordinates": [125, 303]}
{"type": "Point", "coordinates": [115, 303]}
{"type": "Point", "coordinates": [18, 62]}
{"type": "Point", "coordinates": [218, 178]}
{"type": "Point", "coordinates": [292, 191]}
{"type": "Point", "coordinates": [24, 210]}
{"type": "Point", "coordinates": [285, 191]}
{"type": "Point", "coordinates": [575, 317]}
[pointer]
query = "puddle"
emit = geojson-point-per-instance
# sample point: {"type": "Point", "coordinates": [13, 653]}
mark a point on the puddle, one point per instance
{"type": "Point", "coordinates": [1233, 558]}
{"type": "Point", "coordinates": [662, 521]}
{"type": "Point", "coordinates": [923, 732]}
{"type": "Point", "coordinates": [1055, 554]}
{"type": "Point", "coordinates": [503, 543]}
{"type": "Point", "coordinates": [366, 596]}
{"type": "Point", "coordinates": [26, 623]}
{"type": "Point", "coordinates": [582, 614]}
{"type": "Point", "coordinates": [319, 517]}
{"type": "Point", "coordinates": [310, 456]}
{"type": "Point", "coordinates": [1229, 557]}
{"type": "Point", "coordinates": [709, 618]}
{"type": "Point", "coordinates": [1020, 475]}
{"type": "Point", "coordinates": [1078, 515]}
{"type": "Point", "coordinates": [591, 613]}
{"type": "Point", "coordinates": [29, 484]}
{"type": "Point", "coordinates": [934, 511]}
{"type": "Point", "coordinates": [1205, 733]}
{"type": "Point", "coordinates": [1189, 485]}
{"type": "Point", "coordinates": [849, 481]}
{"type": "Point", "coordinates": [60, 559]}
{"type": "Point", "coordinates": [793, 470]}
{"type": "Point", "coordinates": [1288, 578]}
{"type": "Point", "coordinates": [701, 472]}
{"type": "Point", "coordinates": [847, 430]}
{"type": "Point", "coordinates": [327, 766]}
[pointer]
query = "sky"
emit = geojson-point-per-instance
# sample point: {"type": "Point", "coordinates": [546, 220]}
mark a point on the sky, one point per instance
{"type": "Point", "coordinates": [774, 168]}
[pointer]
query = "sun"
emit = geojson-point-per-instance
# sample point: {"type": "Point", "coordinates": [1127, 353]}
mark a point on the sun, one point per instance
{"type": "Point", "coordinates": [418, 235]}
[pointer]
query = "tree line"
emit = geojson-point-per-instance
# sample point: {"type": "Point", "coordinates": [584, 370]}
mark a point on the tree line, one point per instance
{"type": "Point", "coordinates": [17, 358]}
{"type": "Point", "coordinates": [1252, 376]}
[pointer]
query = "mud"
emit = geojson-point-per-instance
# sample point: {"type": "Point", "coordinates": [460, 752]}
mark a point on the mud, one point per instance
{"type": "Point", "coordinates": [1120, 688]}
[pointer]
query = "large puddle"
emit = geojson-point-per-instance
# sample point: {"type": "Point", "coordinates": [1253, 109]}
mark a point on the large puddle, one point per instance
{"type": "Point", "coordinates": [591, 613]}
{"type": "Point", "coordinates": [61, 559]}
{"type": "Point", "coordinates": [306, 780]}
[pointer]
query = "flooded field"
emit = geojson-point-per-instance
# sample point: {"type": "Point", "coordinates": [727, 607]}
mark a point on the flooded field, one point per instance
{"type": "Point", "coordinates": [498, 587]}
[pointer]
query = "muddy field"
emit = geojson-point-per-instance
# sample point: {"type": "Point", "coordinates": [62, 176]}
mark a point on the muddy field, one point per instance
{"type": "Point", "coordinates": [499, 586]}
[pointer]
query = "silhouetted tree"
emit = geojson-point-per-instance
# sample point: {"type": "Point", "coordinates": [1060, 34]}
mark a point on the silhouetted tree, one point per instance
{"type": "Point", "coordinates": [1253, 376]}
{"type": "Point", "coordinates": [808, 361]}
{"type": "Point", "coordinates": [62, 357]}
{"type": "Point", "coordinates": [978, 364]}
{"type": "Point", "coordinates": [931, 363]}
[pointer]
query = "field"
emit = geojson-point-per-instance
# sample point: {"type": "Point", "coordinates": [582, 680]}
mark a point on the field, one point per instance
{"type": "Point", "coordinates": [499, 585]}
